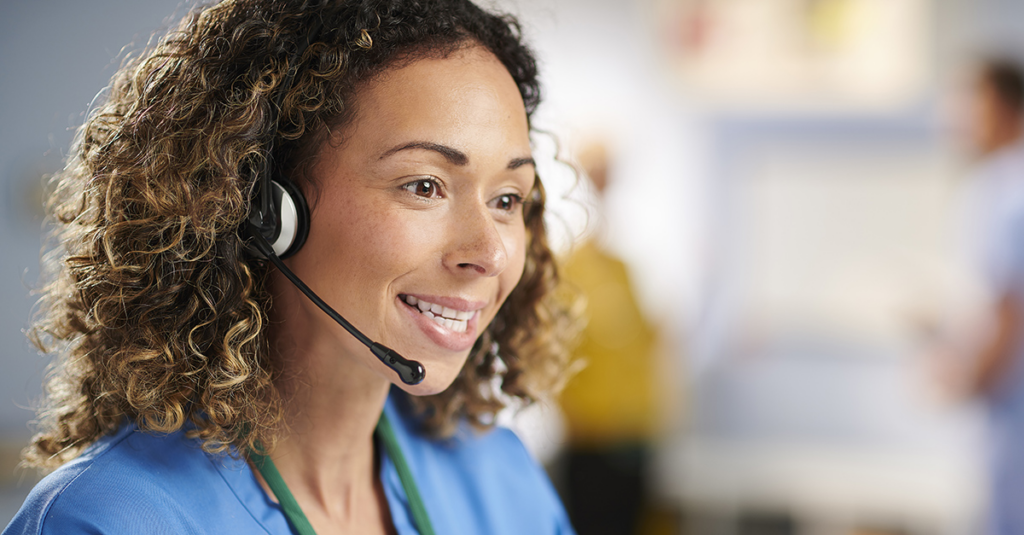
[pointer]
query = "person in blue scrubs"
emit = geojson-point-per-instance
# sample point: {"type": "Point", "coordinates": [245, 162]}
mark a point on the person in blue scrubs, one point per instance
{"type": "Point", "coordinates": [200, 388]}
{"type": "Point", "coordinates": [995, 371]}
{"type": "Point", "coordinates": [991, 369]}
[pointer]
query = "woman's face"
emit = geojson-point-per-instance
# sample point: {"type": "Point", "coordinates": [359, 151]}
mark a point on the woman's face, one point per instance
{"type": "Point", "coordinates": [417, 235]}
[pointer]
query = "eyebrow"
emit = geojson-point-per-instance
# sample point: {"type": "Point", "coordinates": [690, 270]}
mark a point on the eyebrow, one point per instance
{"type": "Point", "coordinates": [454, 156]}
{"type": "Point", "coordinates": [519, 162]}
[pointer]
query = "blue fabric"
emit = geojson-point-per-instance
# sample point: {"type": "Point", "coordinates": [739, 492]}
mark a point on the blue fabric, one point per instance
{"type": "Point", "coordinates": [997, 216]}
{"type": "Point", "coordinates": [133, 482]}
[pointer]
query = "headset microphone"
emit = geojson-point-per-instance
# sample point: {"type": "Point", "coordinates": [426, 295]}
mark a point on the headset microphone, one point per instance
{"type": "Point", "coordinates": [410, 371]}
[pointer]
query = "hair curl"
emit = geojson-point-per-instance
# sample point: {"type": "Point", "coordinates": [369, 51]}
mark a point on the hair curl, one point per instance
{"type": "Point", "coordinates": [155, 313]}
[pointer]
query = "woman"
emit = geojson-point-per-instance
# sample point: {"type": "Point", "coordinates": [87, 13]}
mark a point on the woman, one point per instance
{"type": "Point", "coordinates": [200, 389]}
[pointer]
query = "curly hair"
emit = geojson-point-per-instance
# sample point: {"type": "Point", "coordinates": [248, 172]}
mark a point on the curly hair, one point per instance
{"type": "Point", "coordinates": [154, 311]}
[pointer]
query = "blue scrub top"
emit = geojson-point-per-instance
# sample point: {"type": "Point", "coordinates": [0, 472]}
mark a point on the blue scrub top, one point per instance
{"type": "Point", "coordinates": [996, 240]}
{"type": "Point", "coordinates": [134, 482]}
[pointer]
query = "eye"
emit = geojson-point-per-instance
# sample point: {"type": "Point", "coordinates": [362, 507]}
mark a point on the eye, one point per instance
{"type": "Point", "coordinates": [508, 202]}
{"type": "Point", "coordinates": [425, 187]}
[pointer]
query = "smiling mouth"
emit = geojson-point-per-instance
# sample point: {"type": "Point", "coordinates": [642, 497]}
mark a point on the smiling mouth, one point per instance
{"type": "Point", "coordinates": [451, 319]}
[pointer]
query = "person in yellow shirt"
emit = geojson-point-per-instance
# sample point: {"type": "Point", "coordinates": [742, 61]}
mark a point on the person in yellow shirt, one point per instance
{"type": "Point", "coordinates": [610, 405]}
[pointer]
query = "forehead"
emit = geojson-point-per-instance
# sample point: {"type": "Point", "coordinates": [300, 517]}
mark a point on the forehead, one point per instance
{"type": "Point", "coordinates": [441, 97]}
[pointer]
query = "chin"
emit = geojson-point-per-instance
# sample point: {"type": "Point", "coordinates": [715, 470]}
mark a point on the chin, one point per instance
{"type": "Point", "coordinates": [427, 388]}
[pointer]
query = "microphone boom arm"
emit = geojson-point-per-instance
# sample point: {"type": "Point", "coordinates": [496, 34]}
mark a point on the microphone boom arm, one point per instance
{"type": "Point", "coordinates": [410, 371]}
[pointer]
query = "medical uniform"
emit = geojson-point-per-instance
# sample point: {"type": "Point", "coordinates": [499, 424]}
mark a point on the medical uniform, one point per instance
{"type": "Point", "coordinates": [996, 213]}
{"type": "Point", "coordinates": [133, 482]}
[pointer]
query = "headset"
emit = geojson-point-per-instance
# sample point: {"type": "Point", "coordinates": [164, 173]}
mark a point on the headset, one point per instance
{"type": "Point", "coordinates": [279, 221]}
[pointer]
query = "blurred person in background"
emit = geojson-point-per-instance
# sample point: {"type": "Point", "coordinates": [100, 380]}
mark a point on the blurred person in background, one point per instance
{"type": "Point", "coordinates": [991, 369]}
{"type": "Point", "coordinates": [610, 405]}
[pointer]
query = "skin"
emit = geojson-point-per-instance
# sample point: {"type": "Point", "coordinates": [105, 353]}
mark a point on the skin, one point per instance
{"type": "Point", "coordinates": [418, 195]}
{"type": "Point", "coordinates": [994, 124]}
{"type": "Point", "coordinates": [995, 355]}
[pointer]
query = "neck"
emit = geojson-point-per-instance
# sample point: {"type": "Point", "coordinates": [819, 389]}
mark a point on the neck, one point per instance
{"type": "Point", "coordinates": [331, 413]}
{"type": "Point", "coordinates": [331, 407]}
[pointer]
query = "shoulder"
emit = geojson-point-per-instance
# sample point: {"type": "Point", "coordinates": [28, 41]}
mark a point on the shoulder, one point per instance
{"type": "Point", "coordinates": [481, 482]}
{"type": "Point", "coordinates": [130, 482]}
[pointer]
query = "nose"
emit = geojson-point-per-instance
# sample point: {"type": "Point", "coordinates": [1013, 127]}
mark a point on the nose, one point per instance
{"type": "Point", "coordinates": [476, 246]}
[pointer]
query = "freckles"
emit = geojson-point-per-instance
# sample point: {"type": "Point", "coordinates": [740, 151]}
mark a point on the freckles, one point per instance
{"type": "Point", "coordinates": [379, 239]}
{"type": "Point", "coordinates": [350, 228]}
{"type": "Point", "coordinates": [374, 228]}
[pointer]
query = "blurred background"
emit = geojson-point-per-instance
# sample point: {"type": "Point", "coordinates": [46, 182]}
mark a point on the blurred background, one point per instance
{"type": "Point", "coordinates": [767, 203]}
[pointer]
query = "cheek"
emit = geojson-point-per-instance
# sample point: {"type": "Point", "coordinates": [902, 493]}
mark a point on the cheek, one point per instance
{"type": "Point", "coordinates": [368, 242]}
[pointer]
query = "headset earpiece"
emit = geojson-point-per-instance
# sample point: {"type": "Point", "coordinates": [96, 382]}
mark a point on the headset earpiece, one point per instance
{"type": "Point", "coordinates": [292, 217]}
{"type": "Point", "coordinates": [286, 227]}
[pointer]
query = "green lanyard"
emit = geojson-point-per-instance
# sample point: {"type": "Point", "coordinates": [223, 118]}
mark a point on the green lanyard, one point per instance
{"type": "Point", "coordinates": [298, 519]}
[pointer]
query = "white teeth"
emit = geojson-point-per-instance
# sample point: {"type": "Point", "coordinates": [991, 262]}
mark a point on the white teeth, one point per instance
{"type": "Point", "coordinates": [449, 318]}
